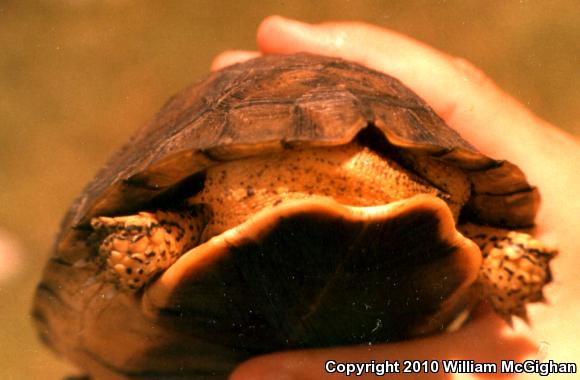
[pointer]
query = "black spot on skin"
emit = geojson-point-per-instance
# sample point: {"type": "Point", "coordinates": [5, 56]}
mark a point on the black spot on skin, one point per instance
{"type": "Point", "coordinates": [128, 270]}
{"type": "Point", "coordinates": [140, 271]}
{"type": "Point", "coordinates": [133, 228]}
{"type": "Point", "coordinates": [529, 258]}
{"type": "Point", "coordinates": [250, 191]}
{"type": "Point", "coordinates": [277, 202]}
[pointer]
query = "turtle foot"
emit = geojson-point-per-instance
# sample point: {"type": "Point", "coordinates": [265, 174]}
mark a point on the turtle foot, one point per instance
{"type": "Point", "coordinates": [137, 247]}
{"type": "Point", "coordinates": [514, 270]}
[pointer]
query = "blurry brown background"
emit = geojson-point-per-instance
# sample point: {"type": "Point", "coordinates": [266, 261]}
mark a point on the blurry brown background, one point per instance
{"type": "Point", "coordinates": [77, 76]}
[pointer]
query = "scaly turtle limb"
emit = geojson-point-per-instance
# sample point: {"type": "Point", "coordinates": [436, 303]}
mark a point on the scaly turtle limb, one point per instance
{"type": "Point", "coordinates": [514, 270]}
{"type": "Point", "coordinates": [137, 247]}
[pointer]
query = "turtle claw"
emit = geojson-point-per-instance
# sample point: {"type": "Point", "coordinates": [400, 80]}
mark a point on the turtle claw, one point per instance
{"type": "Point", "coordinates": [522, 314]}
{"type": "Point", "coordinates": [508, 319]}
{"type": "Point", "coordinates": [540, 296]}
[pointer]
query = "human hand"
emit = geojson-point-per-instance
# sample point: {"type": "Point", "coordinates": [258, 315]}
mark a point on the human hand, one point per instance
{"type": "Point", "coordinates": [10, 256]}
{"type": "Point", "coordinates": [497, 125]}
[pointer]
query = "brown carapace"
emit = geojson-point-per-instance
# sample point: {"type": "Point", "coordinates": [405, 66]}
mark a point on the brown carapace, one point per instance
{"type": "Point", "coordinates": [285, 202]}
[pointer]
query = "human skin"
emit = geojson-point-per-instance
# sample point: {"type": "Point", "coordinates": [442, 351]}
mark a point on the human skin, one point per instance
{"type": "Point", "coordinates": [500, 127]}
{"type": "Point", "coordinates": [10, 256]}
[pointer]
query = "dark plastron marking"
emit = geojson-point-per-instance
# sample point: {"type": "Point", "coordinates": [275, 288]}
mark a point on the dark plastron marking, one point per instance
{"type": "Point", "coordinates": [137, 247]}
{"type": "Point", "coordinates": [514, 270]}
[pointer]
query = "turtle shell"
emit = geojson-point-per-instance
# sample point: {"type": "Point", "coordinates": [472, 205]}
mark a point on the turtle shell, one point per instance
{"type": "Point", "coordinates": [266, 105]}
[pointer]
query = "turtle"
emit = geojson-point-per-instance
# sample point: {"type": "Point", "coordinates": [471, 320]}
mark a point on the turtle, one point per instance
{"type": "Point", "coordinates": [289, 201]}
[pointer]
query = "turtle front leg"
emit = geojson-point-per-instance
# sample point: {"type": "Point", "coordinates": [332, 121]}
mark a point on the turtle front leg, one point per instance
{"type": "Point", "coordinates": [137, 247]}
{"type": "Point", "coordinates": [514, 270]}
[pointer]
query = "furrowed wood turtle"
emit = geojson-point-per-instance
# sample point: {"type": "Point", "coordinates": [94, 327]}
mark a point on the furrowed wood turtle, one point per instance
{"type": "Point", "coordinates": [285, 202]}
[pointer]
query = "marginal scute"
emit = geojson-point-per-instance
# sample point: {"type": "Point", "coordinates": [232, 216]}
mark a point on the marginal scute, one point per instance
{"type": "Point", "coordinates": [510, 210]}
{"type": "Point", "coordinates": [505, 178]}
